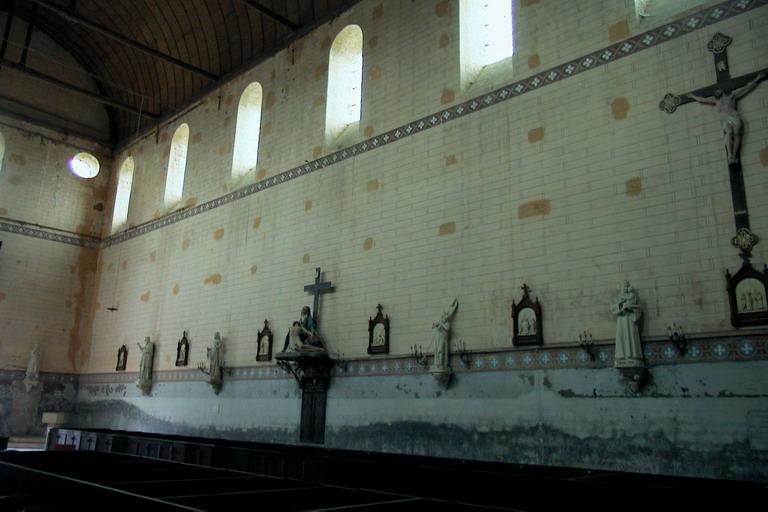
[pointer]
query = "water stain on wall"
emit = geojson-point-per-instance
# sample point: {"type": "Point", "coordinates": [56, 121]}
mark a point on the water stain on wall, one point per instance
{"type": "Point", "coordinates": [218, 234]}
{"type": "Point", "coordinates": [213, 279]}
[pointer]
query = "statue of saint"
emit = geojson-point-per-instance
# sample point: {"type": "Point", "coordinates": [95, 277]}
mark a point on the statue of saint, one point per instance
{"type": "Point", "coordinates": [730, 120]}
{"type": "Point", "coordinates": [303, 336]}
{"type": "Point", "coordinates": [32, 376]}
{"type": "Point", "coordinates": [33, 373]}
{"type": "Point", "coordinates": [629, 350]}
{"type": "Point", "coordinates": [144, 383]}
{"type": "Point", "coordinates": [215, 367]}
{"type": "Point", "coordinates": [441, 332]}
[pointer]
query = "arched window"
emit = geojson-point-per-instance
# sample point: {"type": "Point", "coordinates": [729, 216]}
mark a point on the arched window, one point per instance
{"type": "Point", "coordinates": [2, 152]}
{"type": "Point", "coordinates": [177, 164]}
{"type": "Point", "coordinates": [246, 151]}
{"type": "Point", "coordinates": [345, 79]}
{"type": "Point", "coordinates": [123, 194]}
{"type": "Point", "coordinates": [84, 165]}
{"type": "Point", "coordinates": [486, 31]}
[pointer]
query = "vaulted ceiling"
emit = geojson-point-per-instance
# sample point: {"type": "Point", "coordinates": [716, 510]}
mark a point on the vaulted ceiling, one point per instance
{"type": "Point", "coordinates": [154, 56]}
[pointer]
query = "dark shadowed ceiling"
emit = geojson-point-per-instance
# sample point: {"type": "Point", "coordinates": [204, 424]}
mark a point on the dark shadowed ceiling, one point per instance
{"type": "Point", "coordinates": [155, 55]}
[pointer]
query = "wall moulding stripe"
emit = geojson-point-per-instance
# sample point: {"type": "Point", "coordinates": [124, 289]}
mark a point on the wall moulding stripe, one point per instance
{"type": "Point", "coordinates": [630, 46]}
{"type": "Point", "coordinates": [50, 234]}
{"type": "Point", "coordinates": [658, 353]}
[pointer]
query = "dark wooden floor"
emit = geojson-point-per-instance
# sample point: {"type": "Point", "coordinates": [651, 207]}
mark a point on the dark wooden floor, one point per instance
{"type": "Point", "coordinates": [231, 476]}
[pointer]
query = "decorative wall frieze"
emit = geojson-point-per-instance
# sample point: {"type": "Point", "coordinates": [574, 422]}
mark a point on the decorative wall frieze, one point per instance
{"type": "Point", "coordinates": [657, 353]}
{"type": "Point", "coordinates": [49, 234]}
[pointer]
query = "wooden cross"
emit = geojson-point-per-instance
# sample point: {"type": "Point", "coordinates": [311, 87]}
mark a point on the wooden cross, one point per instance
{"type": "Point", "coordinates": [316, 289]}
{"type": "Point", "coordinates": [718, 45]}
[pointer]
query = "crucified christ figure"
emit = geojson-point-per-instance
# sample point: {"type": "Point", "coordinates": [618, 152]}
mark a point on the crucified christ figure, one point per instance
{"type": "Point", "coordinates": [730, 120]}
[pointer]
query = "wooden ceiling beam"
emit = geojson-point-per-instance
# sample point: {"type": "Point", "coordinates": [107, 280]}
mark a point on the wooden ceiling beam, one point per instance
{"type": "Point", "coordinates": [272, 14]}
{"type": "Point", "coordinates": [107, 32]}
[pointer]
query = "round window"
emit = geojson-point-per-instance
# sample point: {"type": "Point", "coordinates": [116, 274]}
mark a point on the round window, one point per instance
{"type": "Point", "coordinates": [84, 165]}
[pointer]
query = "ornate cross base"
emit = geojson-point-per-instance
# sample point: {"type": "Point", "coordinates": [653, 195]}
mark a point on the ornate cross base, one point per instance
{"type": "Point", "coordinates": [312, 371]}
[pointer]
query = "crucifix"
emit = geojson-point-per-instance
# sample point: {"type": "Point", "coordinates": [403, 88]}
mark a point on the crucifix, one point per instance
{"type": "Point", "coordinates": [316, 289]}
{"type": "Point", "coordinates": [724, 94]}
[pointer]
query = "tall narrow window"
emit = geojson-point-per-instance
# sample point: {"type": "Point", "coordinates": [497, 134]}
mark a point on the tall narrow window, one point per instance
{"type": "Point", "coordinates": [345, 79]}
{"type": "Point", "coordinates": [487, 35]}
{"type": "Point", "coordinates": [177, 164]}
{"type": "Point", "coordinates": [2, 152]}
{"type": "Point", "coordinates": [123, 194]}
{"type": "Point", "coordinates": [246, 151]}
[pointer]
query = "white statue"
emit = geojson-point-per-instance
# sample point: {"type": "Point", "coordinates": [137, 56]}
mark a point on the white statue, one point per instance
{"type": "Point", "coordinates": [215, 367]}
{"type": "Point", "coordinates": [32, 376]}
{"type": "Point", "coordinates": [144, 383]}
{"type": "Point", "coordinates": [442, 350]}
{"type": "Point", "coordinates": [629, 350]}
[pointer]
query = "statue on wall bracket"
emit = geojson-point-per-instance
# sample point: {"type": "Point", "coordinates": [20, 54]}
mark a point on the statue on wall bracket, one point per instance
{"type": "Point", "coordinates": [526, 320]}
{"type": "Point", "coordinates": [628, 355]}
{"type": "Point", "coordinates": [378, 333]}
{"type": "Point", "coordinates": [441, 344]}
{"type": "Point", "coordinates": [144, 382]}
{"type": "Point", "coordinates": [215, 367]}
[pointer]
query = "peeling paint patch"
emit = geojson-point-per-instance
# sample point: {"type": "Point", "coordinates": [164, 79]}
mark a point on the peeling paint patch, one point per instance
{"type": "Point", "coordinates": [223, 149]}
{"type": "Point", "coordinates": [254, 269]}
{"type": "Point", "coordinates": [450, 160]}
{"type": "Point", "coordinates": [373, 42]}
{"type": "Point", "coordinates": [764, 156]}
{"type": "Point", "coordinates": [536, 135]}
{"type": "Point", "coordinates": [372, 185]}
{"type": "Point", "coordinates": [145, 296]}
{"type": "Point", "coordinates": [213, 279]}
{"type": "Point", "coordinates": [124, 265]}
{"type": "Point", "coordinates": [153, 256]}
{"type": "Point", "coordinates": [534, 208]}
{"type": "Point", "coordinates": [176, 289]}
{"type": "Point", "coordinates": [619, 108]}
{"type": "Point", "coordinates": [256, 222]}
{"type": "Point", "coordinates": [534, 61]}
{"type": "Point", "coordinates": [186, 244]}
{"type": "Point", "coordinates": [307, 205]}
{"type": "Point", "coordinates": [261, 174]}
{"type": "Point", "coordinates": [368, 244]}
{"type": "Point", "coordinates": [443, 8]}
{"type": "Point", "coordinates": [448, 96]}
{"type": "Point", "coordinates": [447, 228]}
{"type": "Point", "coordinates": [218, 234]}
{"type": "Point", "coordinates": [305, 259]}
{"type": "Point", "coordinates": [368, 132]}
{"type": "Point", "coordinates": [189, 203]}
{"type": "Point", "coordinates": [618, 31]}
{"type": "Point", "coordinates": [318, 101]}
{"type": "Point", "coordinates": [317, 151]}
{"type": "Point", "coordinates": [634, 186]}
{"type": "Point", "coordinates": [320, 71]}
{"type": "Point", "coordinates": [269, 101]}
{"type": "Point", "coordinates": [197, 137]}
{"type": "Point", "coordinates": [267, 129]}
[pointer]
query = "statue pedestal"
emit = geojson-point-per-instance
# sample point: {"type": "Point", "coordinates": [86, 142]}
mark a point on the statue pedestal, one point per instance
{"type": "Point", "coordinates": [442, 376]}
{"type": "Point", "coordinates": [635, 377]}
{"type": "Point", "coordinates": [312, 370]}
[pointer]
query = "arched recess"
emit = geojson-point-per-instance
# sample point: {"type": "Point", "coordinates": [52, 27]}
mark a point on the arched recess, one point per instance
{"type": "Point", "coordinates": [246, 151]}
{"type": "Point", "coordinates": [123, 194]}
{"type": "Point", "coordinates": [486, 33]}
{"type": "Point", "coordinates": [345, 80]}
{"type": "Point", "coordinates": [177, 165]}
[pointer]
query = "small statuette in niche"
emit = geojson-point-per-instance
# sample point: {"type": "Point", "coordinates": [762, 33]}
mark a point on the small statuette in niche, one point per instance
{"type": "Point", "coordinates": [526, 320]}
{"type": "Point", "coordinates": [122, 357]}
{"type": "Point", "coordinates": [378, 333]}
{"type": "Point", "coordinates": [182, 350]}
{"type": "Point", "coordinates": [264, 343]}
